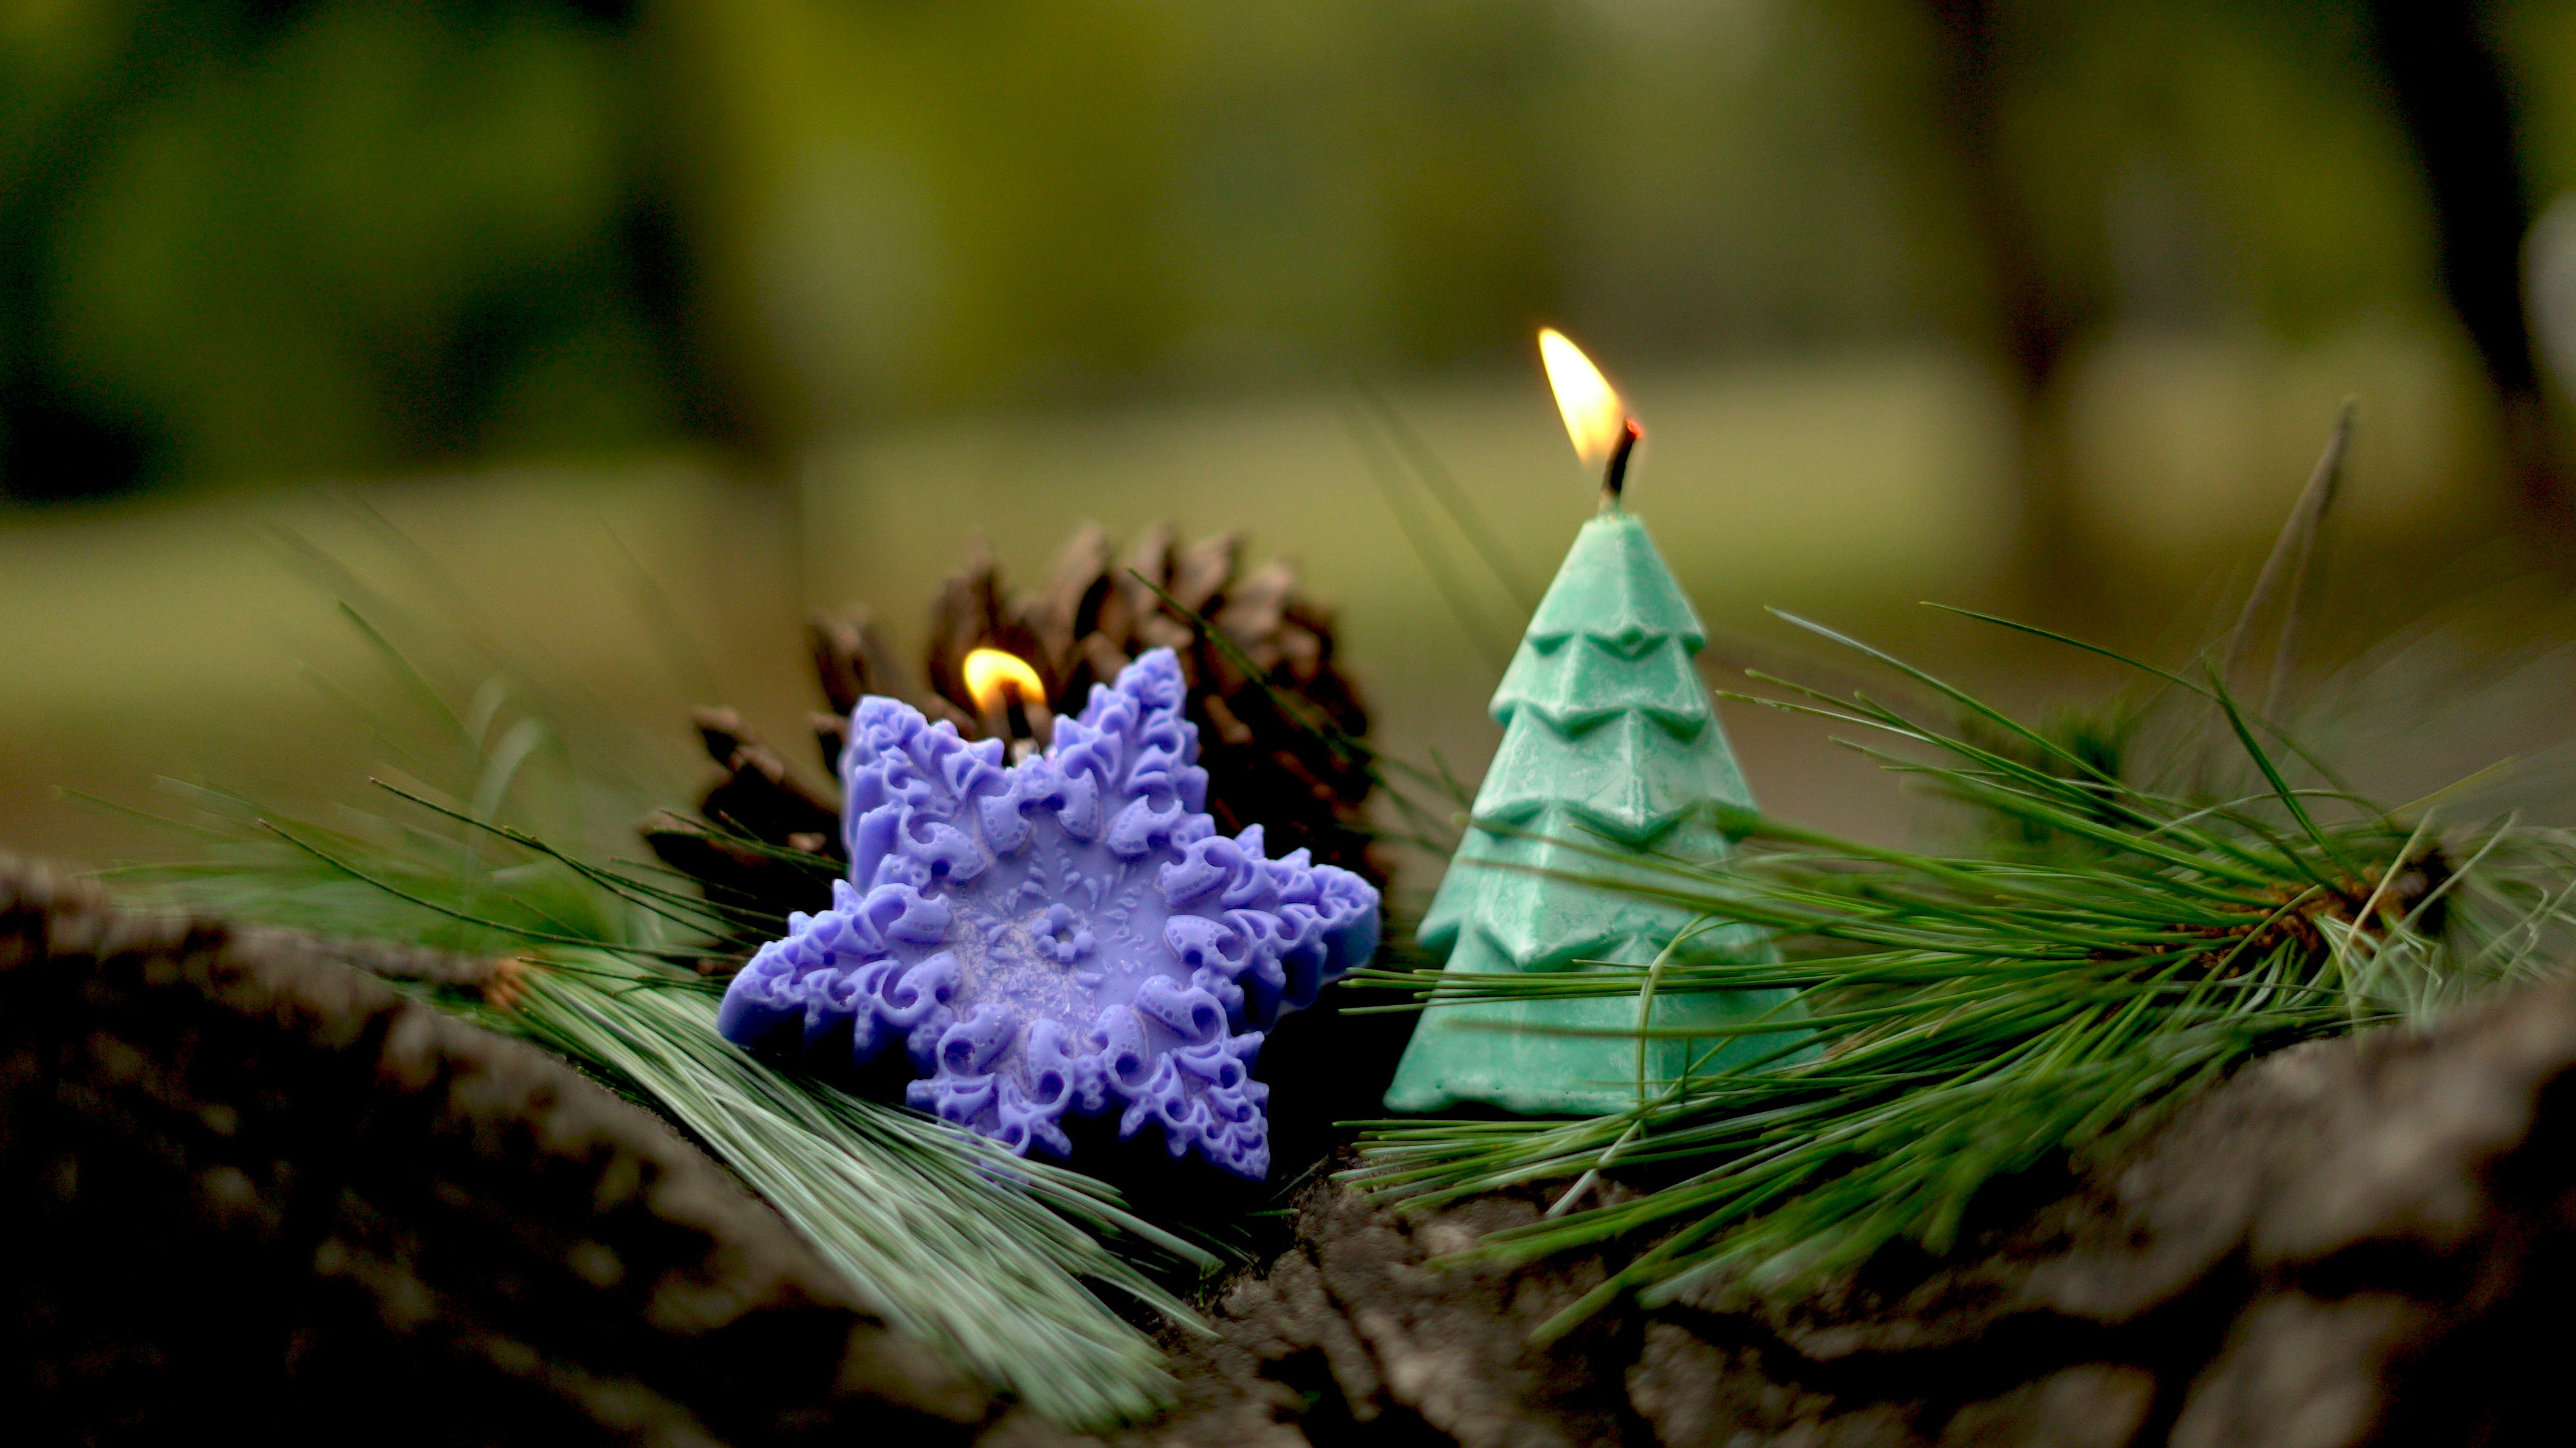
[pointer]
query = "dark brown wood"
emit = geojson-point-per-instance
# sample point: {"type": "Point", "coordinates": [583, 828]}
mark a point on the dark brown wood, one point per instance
{"type": "Point", "coordinates": [257, 1194]}
{"type": "Point", "coordinates": [2366, 1241]}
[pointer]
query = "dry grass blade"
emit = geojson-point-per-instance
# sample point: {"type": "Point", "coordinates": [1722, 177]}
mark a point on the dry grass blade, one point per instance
{"type": "Point", "coordinates": [2285, 569]}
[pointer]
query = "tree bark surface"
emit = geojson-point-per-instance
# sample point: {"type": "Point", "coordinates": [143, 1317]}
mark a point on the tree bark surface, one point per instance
{"type": "Point", "coordinates": [2363, 1241]}
{"type": "Point", "coordinates": [254, 1186]}
{"type": "Point", "coordinates": [253, 1189]}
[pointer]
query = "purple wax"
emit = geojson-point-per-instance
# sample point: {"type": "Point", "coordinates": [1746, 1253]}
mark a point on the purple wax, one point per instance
{"type": "Point", "coordinates": [1066, 935]}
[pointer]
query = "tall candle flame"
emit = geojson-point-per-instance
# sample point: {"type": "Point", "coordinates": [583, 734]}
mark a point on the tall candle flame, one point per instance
{"type": "Point", "coordinates": [990, 671]}
{"type": "Point", "coordinates": [1594, 416]}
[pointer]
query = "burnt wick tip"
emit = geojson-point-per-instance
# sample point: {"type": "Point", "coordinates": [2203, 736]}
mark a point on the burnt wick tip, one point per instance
{"type": "Point", "coordinates": [1614, 478]}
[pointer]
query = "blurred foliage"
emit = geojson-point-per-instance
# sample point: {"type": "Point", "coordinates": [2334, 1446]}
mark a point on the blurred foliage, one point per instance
{"type": "Point", "coordinates": [269, 240]}
{"type": "Point", "coordinates": [277, 239]}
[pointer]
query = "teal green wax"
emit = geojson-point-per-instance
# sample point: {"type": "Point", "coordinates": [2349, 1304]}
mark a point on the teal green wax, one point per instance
{"type": "Point", "coordinates": [1610, 747]}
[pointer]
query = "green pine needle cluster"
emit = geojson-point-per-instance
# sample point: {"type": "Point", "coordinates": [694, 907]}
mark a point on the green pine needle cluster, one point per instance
{"type": "Point", "coordinates": [2117, 937]}
{"type": "Point", "coordinates": [974, 1251]}
{"type": "Point", "coordinates": [487, 840]}
{"type": "Point", "coordinates": [1958, 1019]}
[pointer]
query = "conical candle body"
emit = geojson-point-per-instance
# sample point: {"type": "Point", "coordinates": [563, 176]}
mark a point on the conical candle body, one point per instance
{"type": "Point", "coordinates": [1611, 749]}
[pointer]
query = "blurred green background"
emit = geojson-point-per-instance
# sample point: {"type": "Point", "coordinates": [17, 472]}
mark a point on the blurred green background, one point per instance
{"type": "Point", "coordinates": [2043, 306]}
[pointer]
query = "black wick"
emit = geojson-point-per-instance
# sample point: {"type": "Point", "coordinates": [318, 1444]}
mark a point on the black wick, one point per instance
{"type": "Point", "coordinates": [1615, 476]}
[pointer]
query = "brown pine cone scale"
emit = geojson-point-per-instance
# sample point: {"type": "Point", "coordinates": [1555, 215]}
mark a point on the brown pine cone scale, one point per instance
{"type": "Point", "coordinates": [1278, 720]}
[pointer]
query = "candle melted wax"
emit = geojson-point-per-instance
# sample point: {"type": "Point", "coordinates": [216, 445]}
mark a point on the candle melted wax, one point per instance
{"type": "Point", "coordinates": [1069, 935]}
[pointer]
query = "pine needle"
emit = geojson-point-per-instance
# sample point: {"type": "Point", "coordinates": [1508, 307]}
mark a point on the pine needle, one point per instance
{"type": "Point", "coordinates": [1963, 1018]}
{"type": "Point", "coordinates": [974, 1251]}
{"type": "Point", "coordinates": [996, 1261]}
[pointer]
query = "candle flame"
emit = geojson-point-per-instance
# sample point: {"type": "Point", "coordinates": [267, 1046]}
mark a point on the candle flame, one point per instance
{"type": "Point", "coordinates": [1594, 416]}
{"type": "Point", "coordinates": [990, 671]}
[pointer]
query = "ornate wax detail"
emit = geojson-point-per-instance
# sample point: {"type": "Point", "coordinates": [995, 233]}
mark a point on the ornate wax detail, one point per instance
{"type": "Point", "coordinates": [1066, 935]}
{"type": "Point", "coordinates": [1611, 754]}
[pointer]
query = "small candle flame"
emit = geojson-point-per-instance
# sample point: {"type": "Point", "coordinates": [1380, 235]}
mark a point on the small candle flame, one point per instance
{"type": "Point", "coordinates": [1594, 416]}
{"type": "Point", "coordinates": [989, 672]}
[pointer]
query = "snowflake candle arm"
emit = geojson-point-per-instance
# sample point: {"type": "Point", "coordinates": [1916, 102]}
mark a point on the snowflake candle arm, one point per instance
{"type": "Point", "coordinates": [1065, 936]}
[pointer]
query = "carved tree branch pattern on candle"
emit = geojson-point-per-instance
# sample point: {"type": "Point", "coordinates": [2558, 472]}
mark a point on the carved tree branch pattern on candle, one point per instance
{"type": "Point", "coordinates": [1069, 935]}
{"type": "Point", "coordinates": [1611, 753]}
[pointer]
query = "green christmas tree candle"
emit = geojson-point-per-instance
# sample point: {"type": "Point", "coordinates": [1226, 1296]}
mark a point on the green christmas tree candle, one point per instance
{"type": "Point", "coordinates": [1611, 748]}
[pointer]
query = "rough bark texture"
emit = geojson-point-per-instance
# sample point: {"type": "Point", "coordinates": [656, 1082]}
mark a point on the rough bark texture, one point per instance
{"type": "Point", "coordinates": [253, 1189]}
{"type": "Point", "coordinates": [2364, 1241]}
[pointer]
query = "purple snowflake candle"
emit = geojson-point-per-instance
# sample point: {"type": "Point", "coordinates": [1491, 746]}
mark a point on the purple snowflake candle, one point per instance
{"type": "Point", "coordinates": [1066, 935]}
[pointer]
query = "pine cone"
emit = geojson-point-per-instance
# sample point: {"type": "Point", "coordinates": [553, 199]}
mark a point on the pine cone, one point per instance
{"type": "Point", "coordinates": [768, 843]}
{"type": "Point", "coordinates": [1267, 657]}
{"type": "Point", "coordinates": [765, 842]}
